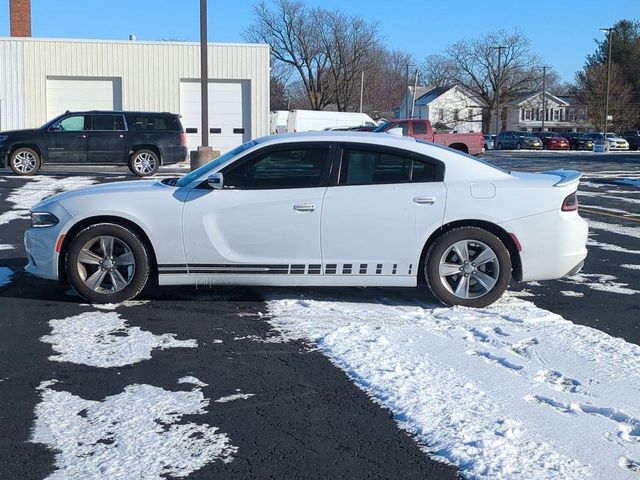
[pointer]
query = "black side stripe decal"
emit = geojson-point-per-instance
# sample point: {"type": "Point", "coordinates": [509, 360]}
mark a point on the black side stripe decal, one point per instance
{"type": "Point", "coordinates": [273, 269]}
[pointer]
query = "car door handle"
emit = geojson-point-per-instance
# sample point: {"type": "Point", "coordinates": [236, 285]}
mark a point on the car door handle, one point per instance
{"type": "Point", "coordinates": [424, 200]}
{"type": "Point", "coordinates": [304, 207]}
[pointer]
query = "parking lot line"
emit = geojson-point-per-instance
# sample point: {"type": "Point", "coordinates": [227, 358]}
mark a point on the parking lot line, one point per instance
{"type": "Point", "coordinates": [622, 217]}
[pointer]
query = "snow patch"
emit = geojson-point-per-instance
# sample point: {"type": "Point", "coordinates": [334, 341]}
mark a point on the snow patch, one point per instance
{"type": "Point", "coordinates": [600, 282]}
{"type": "Point", "coordinates": [193, 381]}
{"type": "Point", "coordinates": [614, 228]}
{"type": "Point", "coordinates": [511, 391]}
{"type": "Point", "coordinates": [611, 248]}
{"type": "Point", "coordinates": [105, 340]}
{"type": "Point", "coordinates": [571, 293]}
{"type": "Point", "coordinates": [235, 396]}
{"type": "Point", "coordinates": [139, 433]}
{"type": "Point", "coordinates": [113, 306]}
{"type": "Point", "coordinates": [630, 266]}
{"type": "Point", "coordinates": [6, 246]}
{"type": "Point", "coordinates": [37, 189]}
{"type": "Point", "coordinates": [5, 276]}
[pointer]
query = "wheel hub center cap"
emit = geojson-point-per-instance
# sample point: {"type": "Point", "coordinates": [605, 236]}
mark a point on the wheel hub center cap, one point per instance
{"type": "Point", "coordinates": [107, 263]}
{"type": "Point", "coordinates": [468, 268]}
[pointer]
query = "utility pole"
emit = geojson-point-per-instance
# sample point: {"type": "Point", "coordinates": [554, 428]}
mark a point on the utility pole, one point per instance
{"type": "Point", "coordinates": [361, 90]}
{"type": "Point", "coordinates": [406, 98]}
{"type": "Point", "coordinates": [415, 87]}
{"type": "Point", "coordinates": [609, 31]}
{"type": "Point", "coordinates": [204, 75]}
{"type": "Point", "coordinates": [498, 81]}
{"type": "Point", "coordinates": [544, 94]}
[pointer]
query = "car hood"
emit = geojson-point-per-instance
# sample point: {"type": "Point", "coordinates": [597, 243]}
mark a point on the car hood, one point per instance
{"type": "Point", "coordinates": [119, 190]}
{"type": "Point", "coordinates": [26, 131]}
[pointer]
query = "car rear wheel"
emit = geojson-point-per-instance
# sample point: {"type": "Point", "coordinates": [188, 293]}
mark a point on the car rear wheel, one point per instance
{"type": "Point", "coordinates": [107, 263]}
{"type": "Point", "coordinates": [144, 163]}
{"type": "Point", "coordinates": [518, 146]}
{"type": "Point", "coordinates": [499, 146]}
{"type": "Point", "coordinates": [468, 266]}
{"type": "Point", "coordinates": [24, 161]}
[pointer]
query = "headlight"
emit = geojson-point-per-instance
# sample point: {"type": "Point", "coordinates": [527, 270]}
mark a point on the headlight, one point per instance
{"type": "Point", "coordinates": [43, 219]}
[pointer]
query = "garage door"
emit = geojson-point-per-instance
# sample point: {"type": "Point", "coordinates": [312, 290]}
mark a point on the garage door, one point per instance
{"type": "Point", "coordinates": [229, 116]}
{"type": "Point", "coordinates": [76, 94]}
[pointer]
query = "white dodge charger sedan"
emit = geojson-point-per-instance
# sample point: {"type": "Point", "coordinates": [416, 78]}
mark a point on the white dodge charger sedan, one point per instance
{"type": "Point", "coordinates": [311, 209]}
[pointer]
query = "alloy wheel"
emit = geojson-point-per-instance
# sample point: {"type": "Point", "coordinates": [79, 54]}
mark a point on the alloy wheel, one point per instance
{"type": "Point", "coordinates": [144, 163]}
{"type": "Point", "coordinates": [469, 269]}
{"type": "Point", "coordinates": [25, 162]}
{"type": "Point", "coordinates": [106, 264]}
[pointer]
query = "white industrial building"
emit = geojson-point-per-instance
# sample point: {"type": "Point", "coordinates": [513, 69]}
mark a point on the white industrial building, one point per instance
{"type": "Point", "coordinates": [42, 78]}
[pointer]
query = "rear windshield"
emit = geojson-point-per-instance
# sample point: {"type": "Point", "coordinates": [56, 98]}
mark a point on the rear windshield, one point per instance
{"type": "Point", "coordinates": [154, 122]}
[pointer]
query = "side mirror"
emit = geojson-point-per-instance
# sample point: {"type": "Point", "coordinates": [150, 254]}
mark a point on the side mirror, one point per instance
{"type": "Point", "coordinates": [55, 128]}
{"type": "Point", "coordinates": [215, 181]}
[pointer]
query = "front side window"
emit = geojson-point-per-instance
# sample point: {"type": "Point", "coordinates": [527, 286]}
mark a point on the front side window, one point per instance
{"type": "Point", "coordinates": [364, 167]}
{"type": "Point", "coordinates": [290, 168]}
{"type": "Point", "coordinates": [107, 122]}
{"type": "Point", "coordinates": [74, 123]}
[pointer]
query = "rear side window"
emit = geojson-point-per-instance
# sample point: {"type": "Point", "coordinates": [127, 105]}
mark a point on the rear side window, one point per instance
{"type": "Point", "coordinates": [107, 122]}
{"type": "Point", "coordinates": [290, 168]}
{"type": "Point", "coordinates": [419, 128]}
{"type": "Point", "coordinates": [154, 122]}
{"type": "Point", "coordinates": [370, 167]}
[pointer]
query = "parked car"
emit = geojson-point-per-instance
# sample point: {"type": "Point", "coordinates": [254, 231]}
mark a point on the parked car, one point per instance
{"type": "Point", "coordinates": [333, 209]}
{"type": "Point", "coordinates": [516, 140]}
{"type": "Point", "coordinates": [141, 140]}
{"type": "Point", "coordinates": [616, 142]}
{"type": "Point", "coordinates": [633, 137]}
{"type": "Point", "coordinates": [489, 142]}
{"type": "Point", "coordinates": [471, 143]}
{"type": "Point", "coordinates": [579, 141]}
{"type": "Point", "coordinates": [553, 140]}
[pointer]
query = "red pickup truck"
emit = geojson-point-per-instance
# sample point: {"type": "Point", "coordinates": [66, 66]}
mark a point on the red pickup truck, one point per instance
{"type": "Point", "coordinates": [471, 143]}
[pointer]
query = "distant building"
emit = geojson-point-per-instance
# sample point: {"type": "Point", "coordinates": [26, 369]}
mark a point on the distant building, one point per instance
{"type": "Point", "coordinates": [563, 114]}
{"type": "Point", "coordinates": [448, 108]}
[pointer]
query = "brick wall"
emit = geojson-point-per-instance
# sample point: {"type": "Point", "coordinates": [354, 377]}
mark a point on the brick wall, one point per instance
{"type": "Point", "coordinates": [20, 18]}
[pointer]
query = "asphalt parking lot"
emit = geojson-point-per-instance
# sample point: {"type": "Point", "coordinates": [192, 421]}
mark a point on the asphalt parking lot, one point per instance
{"type": "Point", "coordinates": [237, 398]}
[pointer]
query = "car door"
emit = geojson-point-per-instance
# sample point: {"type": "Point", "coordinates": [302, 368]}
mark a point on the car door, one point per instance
{"type": "Point", "coordinates": [106, 142]}
{"type": "Point", "coordinates": [380, 210]}
{"type": "Point", "coordinates": [266, 219]}
{"type": "Point", "coordinates": [67, 139]}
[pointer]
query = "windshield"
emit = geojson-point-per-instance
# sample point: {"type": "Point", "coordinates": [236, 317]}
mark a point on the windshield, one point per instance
{"type": "Point", "coordinates": [209, 167]}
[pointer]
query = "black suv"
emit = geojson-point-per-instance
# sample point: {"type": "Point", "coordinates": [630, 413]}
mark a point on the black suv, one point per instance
{"type": "Point", "coordinates": [141, 140]}
{"type": "Point", "coordinates": [633, 137]}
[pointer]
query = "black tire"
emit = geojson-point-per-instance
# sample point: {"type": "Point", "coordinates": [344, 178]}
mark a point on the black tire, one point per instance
{"type": "Point", "coordinates": [25, 161]}
{"type": "Point", "coordinates": [478, 296]}
{"type": "Point", "coordinates": [499, 146]}
{"type": "Point", "coordinates": [518, 146]}
{"type": "Point", "coordinates": [144, 163]}
{"type": "Point", "coordinates": [137, 253]}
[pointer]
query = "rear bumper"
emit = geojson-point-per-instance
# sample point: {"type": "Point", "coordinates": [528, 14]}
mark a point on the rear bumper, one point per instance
{"type": "Point", "coordinates": [553, 244]}
{"type": "Point", "coordinates": [171, 155]}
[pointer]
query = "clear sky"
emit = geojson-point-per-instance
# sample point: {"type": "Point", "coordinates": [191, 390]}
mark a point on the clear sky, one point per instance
{"type": "Point", "coordinates": [562, 32]}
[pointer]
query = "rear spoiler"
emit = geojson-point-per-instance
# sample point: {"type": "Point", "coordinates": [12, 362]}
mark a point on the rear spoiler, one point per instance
{"type": "Point", "coordinates": [566, 176]}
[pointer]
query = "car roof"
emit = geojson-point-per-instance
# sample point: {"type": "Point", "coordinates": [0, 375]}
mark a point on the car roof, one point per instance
{"type": "Point", "coordinates": [339, 136]}
{"type": "Point", "coordinates": [112, 112]}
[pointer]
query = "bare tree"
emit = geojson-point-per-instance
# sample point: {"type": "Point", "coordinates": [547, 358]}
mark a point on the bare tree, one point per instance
{"type": "Point", "coordinates": [294, 38]}
{"type": "Point", "coordinates": [474, 65]}
{"type": "Point", "coordinates": [347, 42]}
{"type": "Point", "coordinates": [590, 90]}
{"type": "Point", "coordinates": [384, 81]}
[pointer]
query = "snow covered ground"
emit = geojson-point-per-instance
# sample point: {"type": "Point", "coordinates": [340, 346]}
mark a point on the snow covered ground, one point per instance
{"type": "Point", "coordinates": [509, 392]}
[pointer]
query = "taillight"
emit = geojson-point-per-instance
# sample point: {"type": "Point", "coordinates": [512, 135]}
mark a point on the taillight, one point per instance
{"type": "Point", "coordinates": [183, 138]}
{"type": "Point", "coordinates": [570, 203]}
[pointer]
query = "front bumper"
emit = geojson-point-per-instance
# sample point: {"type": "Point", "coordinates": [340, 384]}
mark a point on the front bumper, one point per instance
{"type": "Point", "coordinates": [4, 158]}
{"type": "Point", "coordinates": [553, 244]}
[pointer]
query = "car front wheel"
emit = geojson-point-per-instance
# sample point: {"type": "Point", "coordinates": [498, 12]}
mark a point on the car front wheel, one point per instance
{"type": "Point", "coordinates": [468, 266]}
{"type": "Point", "coordinates": [107, 263]}
{"type": "Point", "coordinates": [24, 161]}
{"type": "Point", "coordinates": [144, 163]}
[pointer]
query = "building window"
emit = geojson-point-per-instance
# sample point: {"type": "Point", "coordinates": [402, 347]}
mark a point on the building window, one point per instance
{"type": "Point", "coordinates": [556, 115]}
{"type": "Point", "coordinates": [470, 114]}
{"type": "Point", "coordinates": [441, 114]}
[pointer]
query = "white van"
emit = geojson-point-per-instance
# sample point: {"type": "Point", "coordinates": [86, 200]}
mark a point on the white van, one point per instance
{"type": "Point", "coordinates": [278, 121]}
{"type": "Point", "coordinates": [306, 120]}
